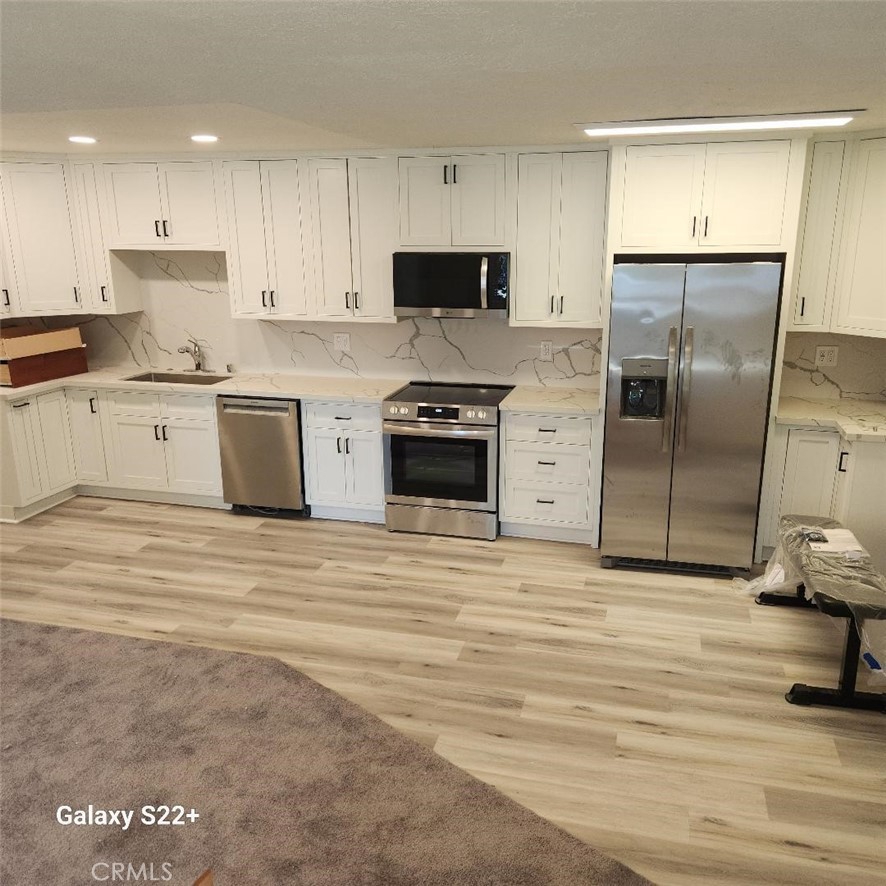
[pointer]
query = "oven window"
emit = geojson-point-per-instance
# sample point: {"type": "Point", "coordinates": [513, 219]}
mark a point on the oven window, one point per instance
{"type": "Point", "coordinates": [425, 467]}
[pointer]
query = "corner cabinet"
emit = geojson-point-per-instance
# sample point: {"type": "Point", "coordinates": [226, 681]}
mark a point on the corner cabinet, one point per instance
{"type": "Point", "coordinates": [561, 219]}
{"type": "Point", "coordinates": [715, 195]}
{"type": "Point", "coordinates": [456, 200]}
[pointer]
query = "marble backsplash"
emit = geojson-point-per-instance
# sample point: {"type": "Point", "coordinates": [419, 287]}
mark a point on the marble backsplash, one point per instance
{"type": "Point", "coordinates": [860, 373]}
{"type": "Point", "coordinates": [185, 296]}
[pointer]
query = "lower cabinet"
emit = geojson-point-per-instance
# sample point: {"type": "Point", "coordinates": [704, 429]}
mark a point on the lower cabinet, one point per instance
{"type": "Point", "coordinates": [167, 442]}
{"type": "Point", "coordinates": [87, 436]}
{"type": "Point", "coordinates": [546, 482]}
{"type": "Point", "coordinates": [809, 474]}
{"type": "Point", "coordinates": [343, 456]}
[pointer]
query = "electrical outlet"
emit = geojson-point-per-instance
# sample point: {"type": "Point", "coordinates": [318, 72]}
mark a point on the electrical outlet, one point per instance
{"type": "Point", "coordinates": [341, 341]}
{"type": "Point", "coordinates": [826, 356]}
{"type": "Point", "coordinates": [546, 351]}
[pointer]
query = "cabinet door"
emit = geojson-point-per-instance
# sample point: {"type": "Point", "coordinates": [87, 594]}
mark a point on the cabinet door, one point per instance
{"type": "Point", "coordinates": [365, 483]}
{"type": "Point", "coordinates": [425, 213]}
{"type": "Point", "coordinates": [330, 237]}
{"type": "Point", "coordinates": [138, 451]}
{"type": "Point", "coordinates": [478, 200]}
{"type": "Point", "coordinates": [861, 491]}
{"type": "Point", "coordinates": [325, 479]}
{"type": "Point", "coordinates": [582, 226]}
{"type": "Point", "coordinates": [87, 438]}
{"type": "Point", "coordinates": [745, 184]}
{"type": "Point", "coordinates": [24, 426]}
{"type": "Point", "coordinates": [281, 195]}
{"type": "Point", "coordinates": [55, 433]}
{"type": "Point", "coordinates": [372, 186]}
{"type": "Point", "coordinates": [8, 286]}
{"type": "Point", "coordinates": [41, 238]}
{"type": "Point", "coordinates": [662, 195]}
{"type": "Point", "coordinates": [810, 473]}
{"type": "Point", "coordinates": [538, 236]}
{"type": "Point", "coordinates": [817, 264]}
{"type": "Point", "coordinates": [187, 193]}
{"type": "Point", "coordinates": [192, 459]}
{"type": "Point", "coordinates": [134, 205]}
{"type": "Point", "coordinates": [247, 259]}
{"type": "Point", "coordinates": [95, 277]}
{"type": "Point", "coordinates": [862, 288]}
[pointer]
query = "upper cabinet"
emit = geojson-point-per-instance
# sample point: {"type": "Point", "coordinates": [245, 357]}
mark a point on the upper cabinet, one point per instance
{"type": "Point", "coordinates": [722, 194]}
{"type": "Point", "coordinates": [162, 205]}
{"type": "Point", "coordinates": [452, 201]}
{"type": "Point", "coordinates": [561, 215]}
{"type": "Point", "coordinates": [44, 277]}
{"type": "Point", "coordinates": [842, 259]}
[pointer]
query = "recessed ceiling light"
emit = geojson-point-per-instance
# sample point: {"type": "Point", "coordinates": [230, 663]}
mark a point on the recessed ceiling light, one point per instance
{"type": "Point", "coordinates": [204, 138]}
{"type": "Point", "coordinates": [82, 139]}
{"type": "Point", "coordinates": [718, 124]}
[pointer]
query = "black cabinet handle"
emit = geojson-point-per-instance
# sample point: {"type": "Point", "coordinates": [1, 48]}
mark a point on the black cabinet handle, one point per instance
{"type": "Point", "coordinates": [6, 301]}
{"type": "Point", "coordinates": [802, 305]}
{"type": "Point", "coordinates": [264, 298]}
{"type": "Point", "coordinates": [544, 501]}
{"type": "Point", "coordinates": [163, 429]}
{"type": "Point", "coordinates": [561, 305]}
{"type": "Point", "coordinates": [547, 430]}
{"type": "Point", "coordinates": [76, 295]}
{"type": "Point", "coordinates": [551, 463]}
{"type": "Point", "coordinates": [356, 301]}
{"type": "Point", "coordinates": [347, 445]}
{"type": "Point", "coordinates": [165, 229]}
{"type": "Point", "coordinates": [104, 292]}
{"type": "Point", "coordinates": [348, 300]}
{"type": "Point", "coordinates": [705, 226]}
{"type": "Point", "coordinates": [343, 418]}
{"type": "Point", "coordinates": [552, 303]}
{"type": "Point", "coordinates": [840, 466]}
{"type": "Point", "coordinates": [338, 444]}
{"type": "Point", "coordinates": [694, 221]}
{"type": "Point", "coordinates": [271, 296]}
{"type": "Point", "coordinates": [454, 174]}
{"type": "Point", "coordinates": [157, 433]}
{"type": "Point", "coordinates": [21, 405]}
{"type": "Point", "coordinates": [92, 408]}
{"type": "Point", "coordinates": [445, 172]}
{"type": "Point", "coordinates": [157, 227]}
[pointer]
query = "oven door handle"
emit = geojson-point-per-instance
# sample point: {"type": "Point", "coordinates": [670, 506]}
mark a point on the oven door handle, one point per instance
{"type": "Point", "coordinates": [411, 429]}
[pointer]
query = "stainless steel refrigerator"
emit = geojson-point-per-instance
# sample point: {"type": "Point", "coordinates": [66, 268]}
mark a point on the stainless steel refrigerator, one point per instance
{"type": "Point", "coordinates": [690, 370]}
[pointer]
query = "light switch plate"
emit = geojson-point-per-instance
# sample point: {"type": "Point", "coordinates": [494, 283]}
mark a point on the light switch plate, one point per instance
{"type": "Point", "coordinates": [546, 351]}
{"type": "Point", "coordinates": [341, 341]}
{"type": "Point", "coordinates": [826, 356]}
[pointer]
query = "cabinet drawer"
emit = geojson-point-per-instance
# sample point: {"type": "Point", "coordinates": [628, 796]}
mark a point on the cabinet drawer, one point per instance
{"type": "Point", "coordinates": [358, 417]}
{"type": "Point", "coordinates": [547, 428]}
{"type": "Point", "coordinates": [133, 403]}
{"type": "Point", "coordinates": [187, 406]}
{"type": "Point", "coordinates": [529, 500]}
{"type": "Point", "coordinates": [548, 462]}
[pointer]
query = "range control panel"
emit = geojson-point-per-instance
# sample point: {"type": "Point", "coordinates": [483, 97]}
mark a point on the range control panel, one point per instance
{"type": "Point", "coordinates": [465, 415]}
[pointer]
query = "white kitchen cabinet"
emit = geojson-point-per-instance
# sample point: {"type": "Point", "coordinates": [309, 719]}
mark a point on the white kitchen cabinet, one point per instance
{"type": "Point", "coordinates": [861, 286]}
{"type": "Point", "coordinates": [325, 473]}
{"type": "Point", "coordinates": [87, 435]}
{"type": "Point", "coordinates": [162, 205]}
{"type": "Point", "coordinates": [266, 265]}
{"type": "Point", "coordinates": [192, 456]}
{"type": "Point", "coordinates": [457, 200]}
{"type": "Point", "coordinates": [139, 456]}
{"type": "Point", "coordinates": [55, 433]}
{"type": "Point", "coordinates": [809, 473]}
{"type": "Point", "coordinates": [860, 494]}
{"type": "Point", "coordinates": [561, 209]}
{"type": "Point", "coordinates": [722, 194]}
{"type": "Point", "coordinates": [8, 285]}
{"type": "Point", "coordinates": [352, 235]}
{"type": "Point", "coordinates": [24, 427]}
{"type": "Point", "coordinates": [41, 238]}
{"type": "Point", "coordinates": [363, 454]}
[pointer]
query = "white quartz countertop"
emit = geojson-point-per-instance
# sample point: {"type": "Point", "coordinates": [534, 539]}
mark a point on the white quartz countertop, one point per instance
{"type": "Point", "coordinates": [854, 419]}
{"type": "Point", "coordinates": [568, 401]}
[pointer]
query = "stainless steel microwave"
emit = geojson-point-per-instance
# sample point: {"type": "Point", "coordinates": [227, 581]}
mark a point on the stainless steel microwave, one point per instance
{"type": "Point", "coordinates": [451, 284]}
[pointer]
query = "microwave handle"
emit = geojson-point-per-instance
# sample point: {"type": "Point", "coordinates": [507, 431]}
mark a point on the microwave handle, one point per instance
{"type": "Point", "coordinates": [484, 282]}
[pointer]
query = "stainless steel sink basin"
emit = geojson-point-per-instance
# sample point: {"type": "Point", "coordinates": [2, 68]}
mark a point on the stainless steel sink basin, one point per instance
{"type": "Point", "coordinates": [180, 378]}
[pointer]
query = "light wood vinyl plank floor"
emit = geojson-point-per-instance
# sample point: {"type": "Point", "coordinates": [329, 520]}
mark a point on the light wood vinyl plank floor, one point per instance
{"type": "Point", "coordinates": [642, 712]}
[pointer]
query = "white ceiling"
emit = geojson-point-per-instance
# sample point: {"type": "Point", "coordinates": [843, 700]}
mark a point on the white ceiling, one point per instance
{"type": "Point", "coordinates": [273, 75]}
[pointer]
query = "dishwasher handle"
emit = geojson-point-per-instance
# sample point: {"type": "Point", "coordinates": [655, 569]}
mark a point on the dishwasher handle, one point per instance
{"type": "Point", "coordinates": [244, 406]}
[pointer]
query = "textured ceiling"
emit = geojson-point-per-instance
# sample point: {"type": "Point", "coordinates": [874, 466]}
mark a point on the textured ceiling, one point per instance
{"type": "Point", "coordinates": [330, 75]}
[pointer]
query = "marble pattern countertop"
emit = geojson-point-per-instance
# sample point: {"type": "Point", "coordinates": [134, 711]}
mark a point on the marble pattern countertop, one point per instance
{"type": "Point", "coordinates": [565, 401]}
{"type": "Point", "coordinates": [854, 419]}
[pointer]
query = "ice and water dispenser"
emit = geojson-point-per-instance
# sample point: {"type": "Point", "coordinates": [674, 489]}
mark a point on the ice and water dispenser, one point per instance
{"type": "Point", "coordinates": [643, 383]}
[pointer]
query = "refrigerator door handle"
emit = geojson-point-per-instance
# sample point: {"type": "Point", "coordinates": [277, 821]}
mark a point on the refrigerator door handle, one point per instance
{"type": "Point", "coordinates": [688, 346]}
{"type": "Point", "coordinates": [667, 426]}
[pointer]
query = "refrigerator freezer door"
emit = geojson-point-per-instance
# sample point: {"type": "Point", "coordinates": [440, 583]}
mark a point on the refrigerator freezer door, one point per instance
{"type": "Point", "coordinates": [727, 341]}
{"type": "Point", "coordinates": [647, 305]}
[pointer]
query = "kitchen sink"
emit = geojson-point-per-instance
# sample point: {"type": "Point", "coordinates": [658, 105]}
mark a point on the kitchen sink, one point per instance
{"type": "Point", "coordinates": [180, 378]}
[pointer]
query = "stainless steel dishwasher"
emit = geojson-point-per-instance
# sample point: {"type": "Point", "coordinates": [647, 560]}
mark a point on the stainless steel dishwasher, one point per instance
{"type": "Point", "coordinates": [260, 448]}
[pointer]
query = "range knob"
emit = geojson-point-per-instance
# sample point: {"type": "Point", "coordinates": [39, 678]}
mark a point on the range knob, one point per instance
{"type": "Point", "coordinates": [481, 413]}
{"type": "Point", "coordinates": [470, 413]}
{"type": "Point", "coordinates": [393, 410]}
{"type": "Point", "coordinates": [404, 410]}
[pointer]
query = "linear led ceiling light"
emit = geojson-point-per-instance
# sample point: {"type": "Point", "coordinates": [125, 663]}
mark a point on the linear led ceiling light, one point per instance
{"type": "Point", "coordinates": [690, 125]}
{"type": "Point", "coordinates": [204, 138]}
{"type": "Point", "coordinates": [82, 139]}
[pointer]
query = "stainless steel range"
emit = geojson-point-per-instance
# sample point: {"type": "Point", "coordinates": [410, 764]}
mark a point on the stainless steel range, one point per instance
{"type": "Point", "coordinates": [441, 459]}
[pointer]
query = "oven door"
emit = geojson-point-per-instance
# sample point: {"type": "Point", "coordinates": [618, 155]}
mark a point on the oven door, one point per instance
{"type": "Point", "coordinates": [441, 465]}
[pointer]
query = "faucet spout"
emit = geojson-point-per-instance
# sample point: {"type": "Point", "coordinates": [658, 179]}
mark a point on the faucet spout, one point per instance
{"type": "Point", "coordinates": [196, 353]}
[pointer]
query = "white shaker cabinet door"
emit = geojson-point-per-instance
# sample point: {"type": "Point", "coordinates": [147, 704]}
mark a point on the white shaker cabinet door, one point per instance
{"type": "Point", "coordinates": [282, 200]}
{"type": "Point", "coordinates": [24, 426]}
{"type": "Point", "coordinates": [55, 432]}
{"type": "Point", "coordinates": [192, 458]}
{"type": "Point", "coordinates": [810, 473]}
{"type": "Point", "coordinates": [365, 484]}
{"type": "Point", "coordinates": [425, 212]}
{"type": "Point", "coordinates": [325, 476]}
{"type": "Point", "coordinates": [135, 214]}
{"type": "Point", "coordinates": [187, 191]}
{"type": "Point", "coordinates": [138, 451]}
{"type": "Point", "coordinates": [90, 462]}
{"type": "Point", "coordinates": [862, 277]}
{"type": "Point", "coordinates": [8, 286]}
{"type": "Point", "coordinates": [662, 195]}
{"type": "Point", "coordinates": [745, 185]}
{"type": "Point", "coordinates": [478, 200]}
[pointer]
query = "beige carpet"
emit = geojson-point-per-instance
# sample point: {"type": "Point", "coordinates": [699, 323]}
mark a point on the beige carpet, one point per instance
{"type": "Point", "coordinates": [293, 784]}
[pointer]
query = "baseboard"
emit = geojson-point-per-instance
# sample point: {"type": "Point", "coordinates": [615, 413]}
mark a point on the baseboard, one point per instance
{"type": "Point", "coordinates": [548, 533]}
{"type": "Point", "coordinates": [354, 515]}
{"type": "Point", "coordinates": [157, 496]}
{"type": "Point", "coordinates": [9, 514]}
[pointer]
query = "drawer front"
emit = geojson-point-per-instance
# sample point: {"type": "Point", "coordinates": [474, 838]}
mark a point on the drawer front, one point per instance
{"type": "Point", "coordinates": [549, 462]}
{"type": "Point", "coordinates": [547, 428]}
{"type": "Point", "coordinates": [192, 406]}
{"type": "Point", "coordinates": [548, 502]}
{"type": "Point", "coordinates": [133, 403]}
{"type": "Point", "coordinates": [354, 416]}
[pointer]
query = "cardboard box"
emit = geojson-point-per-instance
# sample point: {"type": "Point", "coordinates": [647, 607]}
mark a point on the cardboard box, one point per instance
{"type": "Point", "coordinates": [26, 341]}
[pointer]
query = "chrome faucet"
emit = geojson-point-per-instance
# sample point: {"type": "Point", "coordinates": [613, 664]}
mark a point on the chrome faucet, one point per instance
{"type": "Point", "coordinates": [196, 353]}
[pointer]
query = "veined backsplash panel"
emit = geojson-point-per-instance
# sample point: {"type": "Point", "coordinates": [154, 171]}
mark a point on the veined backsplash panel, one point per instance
{"type": "Point", "coordinates": [186, 297]}
{"type": "Point", "coordinates": [860, 373]}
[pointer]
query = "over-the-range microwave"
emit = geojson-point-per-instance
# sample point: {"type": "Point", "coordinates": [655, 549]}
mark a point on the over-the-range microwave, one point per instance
{"type": "Point", "coordinates": [451, 284]}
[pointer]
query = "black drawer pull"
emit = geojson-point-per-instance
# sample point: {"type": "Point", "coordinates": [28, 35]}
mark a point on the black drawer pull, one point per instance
{"type": "Point", "coordinates": [343, 418]}
{"type": "Point", "coordinates": [547, 430]}
{"type": "Point", "coordinates": [551, 463]}
{"type": "Point", "coordinates": [20, 405]}
{"type": "Point", "coordinates": [544, 501]}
